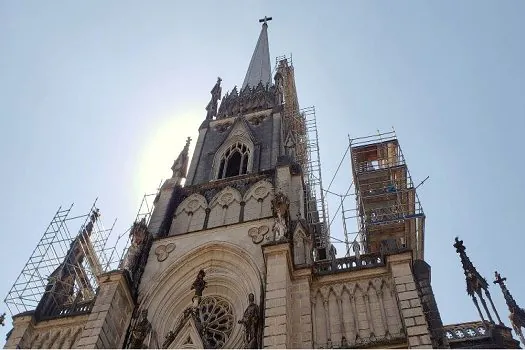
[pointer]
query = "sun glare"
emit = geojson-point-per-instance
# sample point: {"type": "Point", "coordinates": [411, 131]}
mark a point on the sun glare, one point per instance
{"type": "Point", "coordinates": [161, 147]}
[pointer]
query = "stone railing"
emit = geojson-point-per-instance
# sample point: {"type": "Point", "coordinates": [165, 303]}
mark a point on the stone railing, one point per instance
{"type": "Point", "coordinates": [348, 264]}
{"type": "Point", "coordinates": [467, 331]}
{"type": "Point", "coordinates": [79, 308]}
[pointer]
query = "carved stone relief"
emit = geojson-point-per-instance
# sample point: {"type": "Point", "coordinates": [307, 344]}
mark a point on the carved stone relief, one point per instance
{"type": "Point", "coordinates": [163, 251]}
{"type": "Point", "coordinates": [359, 313]}
{"type": "Point", "coordinates": [258, 233]}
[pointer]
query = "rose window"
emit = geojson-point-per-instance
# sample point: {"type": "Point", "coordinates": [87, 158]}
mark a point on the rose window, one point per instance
{"type": "Point", "coordinates": [216, 317]}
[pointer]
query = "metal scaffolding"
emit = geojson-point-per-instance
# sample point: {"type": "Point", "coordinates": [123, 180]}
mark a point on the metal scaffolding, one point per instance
{"type": "Point", "coordinates": [300, 130]}
{"type": "Point", "coordinates": [61, 276]}
{"type": "Point", "coordinates": [388, 211]}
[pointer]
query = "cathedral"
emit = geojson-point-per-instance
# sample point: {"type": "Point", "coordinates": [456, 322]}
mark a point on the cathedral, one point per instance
{"type": "Point", "coordinates": [236, 252]}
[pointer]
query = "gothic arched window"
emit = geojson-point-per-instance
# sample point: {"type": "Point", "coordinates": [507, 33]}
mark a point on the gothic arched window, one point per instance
{"type": "Point", "coordinates": [234, 161]}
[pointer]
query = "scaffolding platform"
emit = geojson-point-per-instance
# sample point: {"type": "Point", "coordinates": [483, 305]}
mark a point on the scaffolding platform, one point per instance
{"type": "Point", "coordinates": [61, 276]}
{"type": "Point", "coordinates": [301, 124]}
{"type": "Point", "coordinates": [388, 211]}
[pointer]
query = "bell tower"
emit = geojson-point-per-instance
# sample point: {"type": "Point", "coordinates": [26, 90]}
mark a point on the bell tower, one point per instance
{"type": "Point", "coordinates": [233, 222]}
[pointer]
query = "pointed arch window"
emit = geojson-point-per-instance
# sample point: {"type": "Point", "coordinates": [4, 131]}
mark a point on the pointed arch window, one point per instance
{"type": "Point", "coordinates": [234, 161]}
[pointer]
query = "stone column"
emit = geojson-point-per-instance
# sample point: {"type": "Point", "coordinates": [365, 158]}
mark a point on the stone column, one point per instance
{"type": "Point", "coordinates": [22, 332]}
{"type": "Point", "coordinates": [341, 318]}
{"type": "Point", "coordinates": [384, 320]}
{"type": "Point", "coordinates": [422, 272]}
{"type": "Point", "coordinates": [412, 315]}
{"type": "Point", "coordinates": [277, 330]}
{"type": "Point", "coordinates": [190, 178]}
{"type": "Point", "coordinates": [111, 314]}
{"type": "Point", "coordinates": [369, 318]}
{"type": "Point", "coordinates": [165, 205]}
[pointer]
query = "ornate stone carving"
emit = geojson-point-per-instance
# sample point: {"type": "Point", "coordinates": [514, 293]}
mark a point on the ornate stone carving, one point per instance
{"type": "Point", "coordinates": [140, 331]}
{"type": "Point", "coordinates": [226, 199]}
{"type": "Point", "coordinates": [280, 205]}
{"type": "Point", "coordinates": [517, 314]}
{"type": "Point", "coordinates": [163, 251]}
{"type": "Point", "coordinates": [223, 126]}
{"type": "Point", "coordinates": [213, 319]}
{"type": "Point", "coordinates": [261, 192]}
{"type": "Point", "coordinates": [250, 321]}
{"type": "Point", "coordinates": [256, 119]}
{"type": "Point", "coordinates": [216, 92]}
{"type": "Point", "coordinates": [249, 100]}
{"type": "Point", "coordinates": [257, 233]}
{"type": "Point", "coordinates": [139, 235]}
{"type": "Point", "coordinates": [199, 284]}
{"type": "Point", "coordinates": [180, 166]}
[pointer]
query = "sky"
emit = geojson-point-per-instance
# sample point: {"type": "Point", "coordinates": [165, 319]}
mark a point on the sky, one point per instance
{"type": "Point", "coordinates": [98, 97]}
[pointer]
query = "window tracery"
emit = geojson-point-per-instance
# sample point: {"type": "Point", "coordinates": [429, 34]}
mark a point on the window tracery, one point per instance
{"type": "Point", "coordinates": [234, 161]}
{"type": "Point", "coordinates": [216, 316]}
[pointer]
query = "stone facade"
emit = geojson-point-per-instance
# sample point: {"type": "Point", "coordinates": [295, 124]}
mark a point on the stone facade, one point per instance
{"type": "Point", "coordinates": [242, 226]}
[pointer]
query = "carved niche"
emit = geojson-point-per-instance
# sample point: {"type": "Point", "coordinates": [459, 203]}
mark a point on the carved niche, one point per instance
{"type": "Point", "coordinates": [302, 246]}
{"type": "Point", "coordinates": [280, 209]}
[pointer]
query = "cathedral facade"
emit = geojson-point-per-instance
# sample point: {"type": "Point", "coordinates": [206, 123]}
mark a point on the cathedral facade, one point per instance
{"type": "Point", "coordinates": [240, 256]}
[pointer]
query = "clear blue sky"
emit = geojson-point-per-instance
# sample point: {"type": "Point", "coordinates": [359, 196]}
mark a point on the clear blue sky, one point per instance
{"type": "Point", "coordinates": [97, 98]}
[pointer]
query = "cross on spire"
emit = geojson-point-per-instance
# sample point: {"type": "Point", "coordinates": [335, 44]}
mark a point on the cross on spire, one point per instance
{"type": "Point", "coordinates": [265, 19]}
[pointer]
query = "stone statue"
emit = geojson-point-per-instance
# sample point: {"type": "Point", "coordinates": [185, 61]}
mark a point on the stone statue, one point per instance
{"type": "Point", "coordinates": [279, 228]}
{"type": "Point", "coordinates": [250, 321]}
{"type": "Point", "coordinates": [280, 205]}
{"type": "Point", "coordinates": [215, 97]}
{"type": "Point", "coordinates": [199, 283]}
{"type": "Point", "coordinates": [180, 166]}
{"type": "Point", "coordinates": [140, 331]}
{"type": "Point", "coordinates": [2, 319]}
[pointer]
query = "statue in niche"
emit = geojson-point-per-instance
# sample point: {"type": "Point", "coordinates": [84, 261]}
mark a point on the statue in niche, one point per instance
{"type": "Point", "coordinates": [199, 284]}
{"type": "Point", "coordinates": [140, 331]}
{"type": "Point", "coordinates": [250, 321]}
{"type": "Point", "coordinates": [280, 205]}
{"type": "Point", "coordinates": [138, 234]}
{"type": "Point", "coordinates": [216, 92]}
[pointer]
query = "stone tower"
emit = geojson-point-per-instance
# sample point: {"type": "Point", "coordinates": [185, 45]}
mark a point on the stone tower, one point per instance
{"type": "Point", "coordinates": [239, 256]}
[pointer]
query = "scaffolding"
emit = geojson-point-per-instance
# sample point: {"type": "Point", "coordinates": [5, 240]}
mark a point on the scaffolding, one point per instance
{"type": "Point", "coordinates": [61, 276]}
{"type": "Point", "coordinates": [300, 130]}
{"type": "Point", "coordinates": [388, 211]}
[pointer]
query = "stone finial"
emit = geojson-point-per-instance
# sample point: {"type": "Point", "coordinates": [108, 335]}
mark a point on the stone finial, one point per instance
{"type": "Point", "coordinates": [517, 314]}
{"type": "Point", "coordinates": [476, 284]}
{"type": "Point", "coordinates": [474, 280]}
{"type": "Point", "coordinates": [2, 319]}
{"type": "Point", "coordinates": [216, 92]}
{"type": "Point", "coordinates": [180, 166]}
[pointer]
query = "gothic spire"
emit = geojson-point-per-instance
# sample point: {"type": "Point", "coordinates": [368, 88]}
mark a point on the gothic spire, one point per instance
{"type": "Point", "coordinates": [475, 283]}
{"type": "Point", "coordinates": [517, 314]}
{"type": "Point", "coordinates": [259, 69]}
{"type": "Point", "coordinates": [180, 166]}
